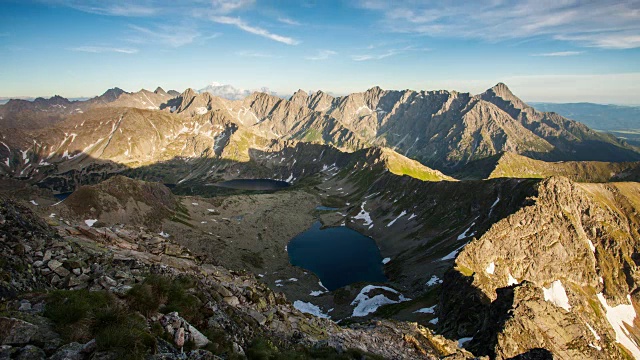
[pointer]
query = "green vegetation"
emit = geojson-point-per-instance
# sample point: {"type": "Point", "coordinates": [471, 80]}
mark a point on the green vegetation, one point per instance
{"type": "Point", "coordinates": [263, 349]}
{"type": "Point", "coordinates": [82, 315]}
{"type": "Point", "coordinates": [159, 293]}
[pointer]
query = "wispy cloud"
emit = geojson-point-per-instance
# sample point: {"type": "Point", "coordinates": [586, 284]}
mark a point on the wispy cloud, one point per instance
{"type": "Point", "coordinates": [560, 53]}
{"type": "Point", "coordinates": [111, 8]}
{"type": "Point", "coordinates": [385, 53]}
{"type": "Point", "coordinates": [242, 25]}
{"type": "Point", "coordinates": [167, 35]}
{"type": "Point", "coordinates": [254, 54]}
{"type": "Point", "coordinates": [289, 21]}
{"type": "Point", "coordinates": [104, 49]}
{"type": "Point", "coordinates": [228, 6]}
{"type": "Point", "coordinates": [321, 55]}
{"type": "Point", "coordinates": [603, 24]}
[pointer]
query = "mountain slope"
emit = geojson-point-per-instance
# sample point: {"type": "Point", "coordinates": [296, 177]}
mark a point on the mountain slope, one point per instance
{"type": "Point", "coordinates": [544, 273]}
{"type": "Point", "coordinates": [448, 129]}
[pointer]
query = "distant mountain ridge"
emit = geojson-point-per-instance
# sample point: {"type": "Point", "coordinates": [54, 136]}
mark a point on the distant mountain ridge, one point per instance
{"type": "Point", "coordinates": [596, 116]}
{"type": "Point", "coordinates": [444, 131]}
{"type": "Point", "coordinates": [229, 92]}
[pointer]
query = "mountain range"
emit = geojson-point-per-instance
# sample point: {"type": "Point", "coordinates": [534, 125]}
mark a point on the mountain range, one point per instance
{"type": "Point", "coordinates": [507, 231]}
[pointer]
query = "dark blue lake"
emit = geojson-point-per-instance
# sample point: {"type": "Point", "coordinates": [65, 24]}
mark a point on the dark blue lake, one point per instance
{"type": "Point", "coordinates": [339, 256]}
{"type": "Point", "coordinates": [62, 196]}
{"type": "Point", "coordinates": [254, 184]}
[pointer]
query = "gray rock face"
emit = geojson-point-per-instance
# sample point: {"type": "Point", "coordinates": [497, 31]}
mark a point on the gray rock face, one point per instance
{"type": "Point", "coordinates": [16, 332]}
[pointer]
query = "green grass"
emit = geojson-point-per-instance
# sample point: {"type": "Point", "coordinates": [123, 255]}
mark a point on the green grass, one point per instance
{"type": "Point", "coordinates": [83, 315]}
{"type": "Point", "coordinates": [159, 293]}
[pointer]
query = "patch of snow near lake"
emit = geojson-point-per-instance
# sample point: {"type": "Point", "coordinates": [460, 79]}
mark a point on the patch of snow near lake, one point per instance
{"type": "Point", "coordinates": [433, 321]}
{"type": "Point", "coordinates": [465, 233]}
{"type": "Point", "coordinates": [90, 222]}
{"type": "Point", "coordinates": [290, 178]}
{"type": "Point", "coordinates": [491, 268]}
{"type": "Point", "coordinates": [463, 341]}
{"type": "Point", "coordinates": [429, 310]}
{"type": "Point", "coordinates": [34, 202]}
{"type": "Point", "coordinates": [322, 286]}
{"type": "Point", "coordinates": [309, 308]}
{"type": "Point", "coordinates": [365, 305]}
{"type": "Point", "coordinates": [511, 280]}
{"type": "Point", "coordinates": [386, 260]}
{"type": "Point", "coordinates": [619, 317]}
{"type": "Point", "coordinates": [364, 215]}
{"type": "Point", "coordinates": [434, 281]}
{"type": "Point", "coordinates": [403, 213]}
{"type": "Point", "coordinates": [163, 234]}
{"type": "Point", "coordinates": [557, 295]}
{"type": "Point", "coordinates": [316, 293]}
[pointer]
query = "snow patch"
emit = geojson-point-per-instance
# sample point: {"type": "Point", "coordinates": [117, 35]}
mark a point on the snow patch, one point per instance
{"type": "Point", "coordinates": [491, 268]}
{"type": "Point", "coordinates": [201, 110]}
{"type": "Point", "coordinates": [429, 310]}
{"type": "Point", "coordinates": [365, 305]}
{"type": "Point", "coordinates": [34, 202]}
{"type": "Point", "coordinates": [90, 222]}
{"type": "Point", "coordinates": [620, 317]}
{"type": "Point", "coordinates": [163, 234]}
{"type": "Point", "coordinates": [434, 281]}
{"type": "Point", "coordinates": [364, 215]}
{"type": "Point", "coordinates": [433, 321]}
{"type": "Point", "coordinates": [557, 295]}
{"type": "Point", "coordinates": [466, 234]}
{"type": "Point", "coordinates": [512, 280]}
{"type": "Point", "coordinates": [386, 260]}
{"type": "Point", "coordinates": [412, 216]}
{"type": "Point", "coordinates": [463, 341]}
{"type": "Point", "coordinates": [403, 213]}
{"type": "Point", "coordinates": [309, 308]}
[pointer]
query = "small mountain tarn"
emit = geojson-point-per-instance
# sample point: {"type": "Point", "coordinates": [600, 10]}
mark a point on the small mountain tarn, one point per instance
{"type": "Point", "coordinates": [339, 256]}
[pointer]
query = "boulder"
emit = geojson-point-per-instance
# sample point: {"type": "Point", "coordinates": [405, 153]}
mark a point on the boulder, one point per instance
{"type": "Point", "coordinates": [16, 332]}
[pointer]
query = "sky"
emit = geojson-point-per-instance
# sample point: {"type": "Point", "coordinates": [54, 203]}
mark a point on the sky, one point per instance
{"type": "Point", "coordinates": [553, 51]}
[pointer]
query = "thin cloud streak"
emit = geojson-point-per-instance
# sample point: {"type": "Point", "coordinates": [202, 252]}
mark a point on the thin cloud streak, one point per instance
{"type": "Point", "coordinates": [288, 21]}
{"type": "Point", "coordinates": [166, 35]}
{"type": "Point", "coordinates": [560, 53]}
{"type": "Point", "coordinates": [255, 54]}
{"type": "Point", "coordinates": [385, 54]}
{"type": "Point", "coordinates": [242, 25]}
{"type": "Point", "coordinates": [321, 55]}
{"type": "Point", "coordinates": [102, 49]}
{"type": "Point", "coordinates": [113, 8]}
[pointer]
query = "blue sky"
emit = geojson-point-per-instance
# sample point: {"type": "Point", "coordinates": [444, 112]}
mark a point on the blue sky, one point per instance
{"type": "Point", "coordinates": [561, 50]}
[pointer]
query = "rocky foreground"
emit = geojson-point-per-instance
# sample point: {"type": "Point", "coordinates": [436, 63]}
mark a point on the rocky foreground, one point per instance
{"type": "Point", "coordinates": [74, 291]}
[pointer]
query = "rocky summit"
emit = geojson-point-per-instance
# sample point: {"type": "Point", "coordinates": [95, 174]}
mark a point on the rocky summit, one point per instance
{"type": "Point", "coordinates": [157, 225]}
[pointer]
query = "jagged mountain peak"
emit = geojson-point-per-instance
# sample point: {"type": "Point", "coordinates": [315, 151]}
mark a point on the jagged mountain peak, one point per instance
{"type": "Point", "coordinates": [160, 91]}
{"type": "Point", "coordinates": [112, 94]}
{"type": "Point", "coordinates": [300, 93]}
{"type": "Point", "coordinates": [501, 91]}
